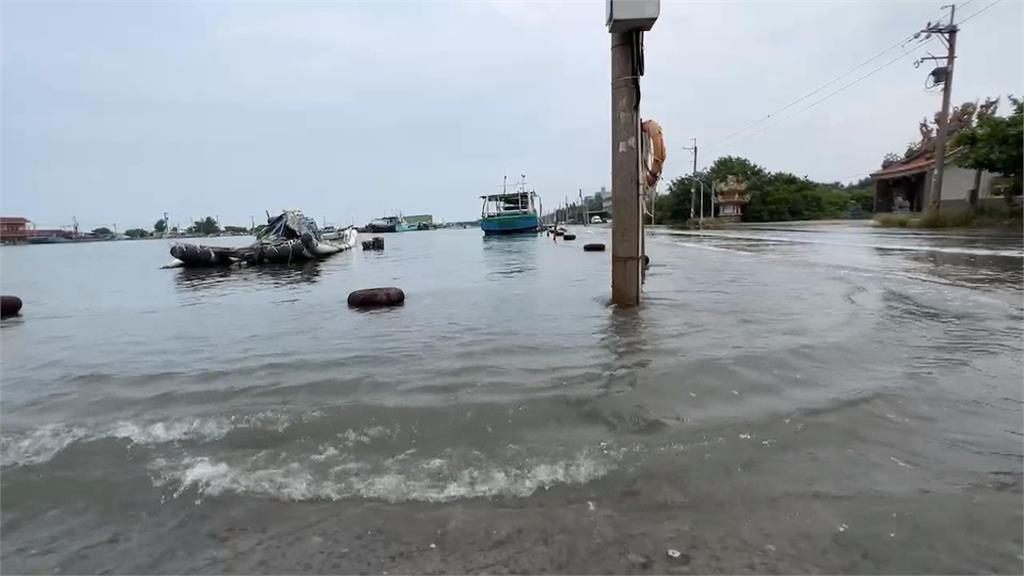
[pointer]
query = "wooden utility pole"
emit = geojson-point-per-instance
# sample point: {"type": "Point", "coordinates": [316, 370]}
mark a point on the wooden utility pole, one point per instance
{"type": "Point", "coordinates": [948, 32]}
{"type": "Point", "coordinates": [626, 198]}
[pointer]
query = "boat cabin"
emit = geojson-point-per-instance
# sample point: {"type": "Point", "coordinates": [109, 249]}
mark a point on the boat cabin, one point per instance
{"type": "Point", "coordinates": [508, 204]}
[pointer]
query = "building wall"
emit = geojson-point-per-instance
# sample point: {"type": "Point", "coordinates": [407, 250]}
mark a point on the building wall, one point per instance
{"type": "Point", "coordinates": [14, 230]}
{"type": "Point", "coordinates": [957, 183]}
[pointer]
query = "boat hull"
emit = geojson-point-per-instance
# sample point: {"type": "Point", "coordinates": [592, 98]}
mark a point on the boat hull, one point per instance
{"type": "Point", "coordinates": [518, 224]}
{"type": "Point", "coordinates": [193, 256]}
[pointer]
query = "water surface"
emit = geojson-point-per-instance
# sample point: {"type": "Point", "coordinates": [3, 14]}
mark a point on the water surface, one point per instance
{"type": "Point", "coordinates": [795, 399]}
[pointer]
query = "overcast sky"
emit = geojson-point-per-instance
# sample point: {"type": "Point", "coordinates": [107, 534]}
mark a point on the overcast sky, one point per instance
{"type": "Point", "coordinates": [115, 112]}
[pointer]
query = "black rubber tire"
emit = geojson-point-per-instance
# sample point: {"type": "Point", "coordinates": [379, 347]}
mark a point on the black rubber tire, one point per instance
{"type": "Point", "coordinates": [9, 306]}
{"type": "Point", "coordinates": [374, 297]}
{"type": "Point", "coordinates": [598, 247]}
{"type": "Point", "coordinates": [568, 237]}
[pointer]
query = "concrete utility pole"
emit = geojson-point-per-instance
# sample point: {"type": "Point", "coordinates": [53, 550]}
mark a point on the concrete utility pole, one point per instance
{"type": "Point", "coordinates": [626, 229]}
{"type": "Point", "coordinates": [947, 32]}
{"type": "Point", "coordinates": [627, 20]}
{"type": "Point", "coordinates": [693, 184]}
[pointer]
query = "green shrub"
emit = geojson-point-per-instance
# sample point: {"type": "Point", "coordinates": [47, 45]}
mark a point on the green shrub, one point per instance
{"type": "Point", "coordinates": [892, 220]}
{"type": "Point", "coordinates": [945, 219]}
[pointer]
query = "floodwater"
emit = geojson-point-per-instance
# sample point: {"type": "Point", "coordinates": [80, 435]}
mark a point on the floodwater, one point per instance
{"type": "Point", "coordinates": [788, 399]}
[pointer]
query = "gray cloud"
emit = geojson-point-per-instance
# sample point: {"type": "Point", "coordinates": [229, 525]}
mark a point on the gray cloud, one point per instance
{"type": "Point", "coordinates": [115, 112]}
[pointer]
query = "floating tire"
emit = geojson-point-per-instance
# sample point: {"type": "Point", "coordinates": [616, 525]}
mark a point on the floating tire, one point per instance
{"type": "Point", "coordinates": [568, 237]}
{"type": "Point", "coordinates": [202, 256]}
{"type": "Point", "coordinates": [593, 247]}
{"type": "Point", "coordinates": [9, 306]}
{"type": "Point", "coordinates": [376, 297]}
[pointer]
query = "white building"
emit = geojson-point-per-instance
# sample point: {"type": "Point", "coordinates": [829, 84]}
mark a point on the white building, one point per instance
{"type": "Point", "coordinates": [909, 183]}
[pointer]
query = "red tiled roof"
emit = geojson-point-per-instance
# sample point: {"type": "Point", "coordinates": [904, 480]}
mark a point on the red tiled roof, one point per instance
{"type": "Point", "coordinates": [13, 220]}
{"type": "Point", "coordinates": [914, 165]}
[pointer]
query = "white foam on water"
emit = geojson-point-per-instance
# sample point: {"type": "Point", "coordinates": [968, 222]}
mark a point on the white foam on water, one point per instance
{"type": "Point", "coordinates": [39, 445]}
{"type": "Point", "coordinates": [42, 444]}
{"type": "Point", "coordinates": [433, 480]}
{"type": "Point", "coordinates": [366, 435]}
{"type": "Point", "coordinates": [325, 453]}
{"type": "Point", "coordinates": [201, 429]}
{"type": "Point", "coordinates": [159, 432]}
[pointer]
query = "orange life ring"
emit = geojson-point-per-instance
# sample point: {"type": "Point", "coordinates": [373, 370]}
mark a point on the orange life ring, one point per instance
{"type": "Point", "coordinates": [654, 151]}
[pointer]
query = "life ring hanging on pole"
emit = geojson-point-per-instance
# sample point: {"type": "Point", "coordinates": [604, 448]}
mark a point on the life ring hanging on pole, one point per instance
{"type": "Point", "coordinates": [653, 151]}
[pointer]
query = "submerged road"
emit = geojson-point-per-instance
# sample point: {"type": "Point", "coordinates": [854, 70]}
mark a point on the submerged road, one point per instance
{"type": "Point", "coordinates": [787, 399]}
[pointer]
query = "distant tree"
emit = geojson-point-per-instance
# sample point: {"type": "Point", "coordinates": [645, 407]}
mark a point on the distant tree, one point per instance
{"type": "Point", "coordinates": [862, 192]}
{"type": "Point", "coordinates": [783, 196]}
{"type": "Point", "coordinates": [673, 206]}
{"type": "Point", "coordinates": [102, 231]}
{"type": "Point", "coordinates": [865, 182]}
{"type": "Point", "coordinates": [136, 233]}
{"type": "Point", "coordinates": [734, 166]}
{"type": "Point", "coordinates": [995, 143]}
{"type": "Point", "coordinates": [891, 159]}
{"type": "Point", "coordinates": [865, 199]}
{"type": "Point", "coordinates": [205, 226]}
{"type": "Point", "coordinates": [775, 196]}
{"type": "Point", "coordinates": [160, 226]}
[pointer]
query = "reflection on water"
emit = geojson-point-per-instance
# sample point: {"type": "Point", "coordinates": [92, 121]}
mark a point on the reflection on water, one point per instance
{"type": "Point", "coordinates": [626, 342]}
{"type": "Point", "coordinates": [192, 279]}
{"type": "Point", "coordinates": [974, 269]}
{"type": "Point", "coordinates": [510, 255]}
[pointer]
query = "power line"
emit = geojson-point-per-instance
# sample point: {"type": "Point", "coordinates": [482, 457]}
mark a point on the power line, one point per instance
{"type": "Point", "coordinates": [860, 78]}
{"type": "Point", "coordinates": [901, 43]}
{"type": "Point", "coordinates": [991, 4]}
{"type": "Point", "coordinates": [830, 94]}
{"type": "Point", "coordinates": [813, 92]}
{"type": "Point", "coordinates": [978, 12]}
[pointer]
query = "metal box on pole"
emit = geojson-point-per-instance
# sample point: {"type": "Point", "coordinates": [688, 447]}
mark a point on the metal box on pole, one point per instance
{"type": "Point", "coordinates": [630, 15]}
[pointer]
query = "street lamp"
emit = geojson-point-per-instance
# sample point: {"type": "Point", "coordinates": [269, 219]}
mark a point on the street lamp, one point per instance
{"type": "Point", "coordinates": [710, 185]}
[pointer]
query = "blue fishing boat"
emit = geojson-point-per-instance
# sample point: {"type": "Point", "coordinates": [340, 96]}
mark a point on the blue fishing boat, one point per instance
{"type": "Point", "coordinates": [510, 212]}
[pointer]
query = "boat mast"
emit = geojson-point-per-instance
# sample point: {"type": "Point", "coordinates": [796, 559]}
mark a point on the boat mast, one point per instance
{"type": "Point", "coordinates": [522, 190]}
